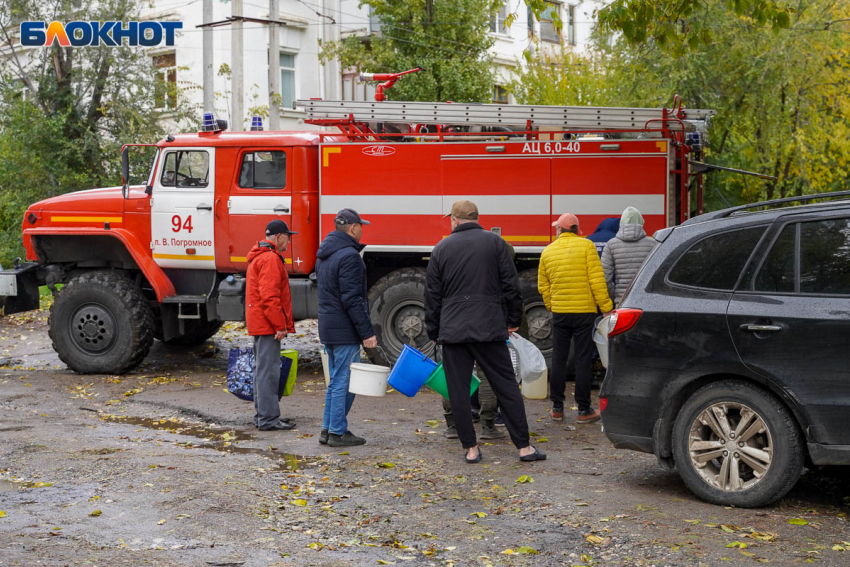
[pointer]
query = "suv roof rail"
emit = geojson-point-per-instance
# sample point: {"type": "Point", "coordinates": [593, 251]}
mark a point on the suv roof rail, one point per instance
{"type": "Point", "coordinates": [773, 202]}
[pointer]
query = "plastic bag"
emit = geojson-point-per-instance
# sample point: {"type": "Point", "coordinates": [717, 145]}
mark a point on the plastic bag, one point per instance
{"type": "Point", "coordinates": [531, 361]}
{"type": "Point", "coordinates": [240, 374]}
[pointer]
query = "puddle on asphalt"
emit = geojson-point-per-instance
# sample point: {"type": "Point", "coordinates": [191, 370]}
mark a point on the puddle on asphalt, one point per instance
{"type": "Point", "coordinates": [217, 438]}
{"type": "Point", "coordinates": [7, 485]}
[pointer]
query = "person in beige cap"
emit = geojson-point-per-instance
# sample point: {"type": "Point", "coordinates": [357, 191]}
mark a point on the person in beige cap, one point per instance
{"type": "Point", "coordinates": [572, 284]}
{"type": "Point", "coordinates": [472, 302]}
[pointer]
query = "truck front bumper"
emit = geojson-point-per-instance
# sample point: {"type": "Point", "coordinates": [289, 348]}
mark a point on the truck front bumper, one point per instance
{"type": "Point", "coordinates": [19, 287]}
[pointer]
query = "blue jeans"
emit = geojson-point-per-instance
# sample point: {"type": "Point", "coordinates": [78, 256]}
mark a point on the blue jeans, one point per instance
{"type": "Point", "coordinates": [338, 399]}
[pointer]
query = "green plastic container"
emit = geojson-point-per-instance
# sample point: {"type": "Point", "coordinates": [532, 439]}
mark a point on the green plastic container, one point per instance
{"type": "Point", "coordinates": [293, 370]}
{"type": "Point", "coordinates": [437, 382]}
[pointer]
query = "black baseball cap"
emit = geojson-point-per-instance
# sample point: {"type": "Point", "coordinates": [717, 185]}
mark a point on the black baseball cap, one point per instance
{"type": "Point", "coordinates": [278, 227]}
{"type": "Point", "coordinates": [349, 216]}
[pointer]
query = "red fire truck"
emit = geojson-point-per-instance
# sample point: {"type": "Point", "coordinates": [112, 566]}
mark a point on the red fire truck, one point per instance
{"type": "Point", "coordinates": [166, 259]}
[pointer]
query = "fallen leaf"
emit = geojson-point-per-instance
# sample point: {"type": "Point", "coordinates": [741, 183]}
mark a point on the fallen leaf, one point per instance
{"type": "Point", "coordinates": [527, 551]}
{"type": "Point", "coordinates": [479, 514]}
{"type": "Point", "coordinates": [594, 539]}
{"type": "Point", "coordinates": [524, 479]}
{"type": "Point", "coordinates": [159, 523]}
{"type": "Point", "coordinates": [798, 522]}
{"type": "Point", "coordinates": [694, 522]}
{"type": "Point", "coordinates": [299, 502]}
{"type": "Point", "coordinates": [738, 544]}
{"type": "Point", "coordinates": [838, 548]}
{"type": "Point", "coordinates": [727, 528]}
{"type": "Point", "coordinates": [382, 562]}
{"type": "Point", "coordinates": [42, 484]}
{"type": "Point", "coordinates": [386, 465]}
{"type": "Point", "coordinates": [96, 513]}
{"type": "Point", "coordinates": [508, 551]}
{"type": "Point", "coordinates": [2, 514]}
{"type": "Point", "coordinates": [748, 554]}
{"type": "Point", "coordinates": [344, 453]}
{"type": "Point", "coordinates": [433, 422]}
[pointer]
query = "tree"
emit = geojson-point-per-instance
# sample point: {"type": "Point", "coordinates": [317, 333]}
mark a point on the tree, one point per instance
{"type": "Point", "coordinates": [449, 39]}
{"type": "Point", "coordinates": [65, 111]}
{"type": "Point", "coordinates": [780, 95]}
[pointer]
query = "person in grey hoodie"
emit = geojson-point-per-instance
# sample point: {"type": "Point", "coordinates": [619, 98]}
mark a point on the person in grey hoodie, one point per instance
{"type": "Point", "coordinates": [624, 254]}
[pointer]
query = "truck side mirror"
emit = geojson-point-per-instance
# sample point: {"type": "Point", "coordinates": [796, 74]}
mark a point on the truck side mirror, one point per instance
{"type": "Point", "coordinates": [125, 170]}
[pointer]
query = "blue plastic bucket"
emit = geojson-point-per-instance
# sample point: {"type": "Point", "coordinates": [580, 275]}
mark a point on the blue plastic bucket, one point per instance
{"type": "Point", "coordinates": [410, 371]}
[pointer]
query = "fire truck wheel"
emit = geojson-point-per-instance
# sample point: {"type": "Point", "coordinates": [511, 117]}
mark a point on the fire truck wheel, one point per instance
{"type": "Point", "coordinates": [539, 318]}
{"type": "Point", "coordinates": [397, 310]}
{"type": "Point", "coordinates": [101, 323]}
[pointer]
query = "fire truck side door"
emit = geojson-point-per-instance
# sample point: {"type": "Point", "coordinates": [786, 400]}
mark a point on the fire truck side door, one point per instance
{"type": "Point", "coordinates": [182, 209]}
{"type": "Point", "coordinates": [259, 193]}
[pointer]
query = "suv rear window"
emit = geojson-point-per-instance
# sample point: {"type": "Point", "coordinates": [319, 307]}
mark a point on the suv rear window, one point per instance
{"type": "Point", "coordinates": [825, 257]}
{"type": "Point", "coordinates": [777, 272]}
{"type": "Point", "coordinates": [716, 262]}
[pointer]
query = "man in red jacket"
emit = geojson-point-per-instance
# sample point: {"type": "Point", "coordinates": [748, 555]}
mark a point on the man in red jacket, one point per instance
{"type": "Point", "coordinates": [268, 316]}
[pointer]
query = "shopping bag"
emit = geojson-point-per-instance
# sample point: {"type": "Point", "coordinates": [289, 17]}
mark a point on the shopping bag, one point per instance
{"type": "Point", "coordinates": [240, 373]}
{"type": "Point", "coordinates": [530, 361]}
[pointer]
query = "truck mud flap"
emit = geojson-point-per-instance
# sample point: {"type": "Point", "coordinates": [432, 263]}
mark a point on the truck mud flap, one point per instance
{"type": "Point", "coordinates": [19, 285]}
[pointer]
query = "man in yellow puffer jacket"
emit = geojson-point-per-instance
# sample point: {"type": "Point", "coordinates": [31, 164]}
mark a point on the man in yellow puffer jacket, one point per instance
{"type": "Point", "coordinates": [572, 284]}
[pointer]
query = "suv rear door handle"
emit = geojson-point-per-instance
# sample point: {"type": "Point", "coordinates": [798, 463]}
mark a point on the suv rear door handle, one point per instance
{"type": "Point", "coordinates": [761, 328]}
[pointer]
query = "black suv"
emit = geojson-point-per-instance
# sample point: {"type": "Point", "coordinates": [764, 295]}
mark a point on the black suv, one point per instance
{"type": "Point", "coordinates": [729, 356]}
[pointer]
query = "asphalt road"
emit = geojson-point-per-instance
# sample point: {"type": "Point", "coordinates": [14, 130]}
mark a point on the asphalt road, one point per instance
{"type": "Point", "coordinates": [162, 467]}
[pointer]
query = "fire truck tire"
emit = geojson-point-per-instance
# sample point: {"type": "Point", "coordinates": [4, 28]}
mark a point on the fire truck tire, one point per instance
{"type": "Point", "coordinates": [101, 323]}
{"type": "Point", "coordinates": [397, 310]}
{"type": "Point", "coordinates": [538, 317]}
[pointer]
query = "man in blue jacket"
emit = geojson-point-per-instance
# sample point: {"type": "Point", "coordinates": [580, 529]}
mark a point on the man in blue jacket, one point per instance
{"type": "Point", "coordinates": [606, 230]}
{"type": "Point", "coordinates": [343, 320]}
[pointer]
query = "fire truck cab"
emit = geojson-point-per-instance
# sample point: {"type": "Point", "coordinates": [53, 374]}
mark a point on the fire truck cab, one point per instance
{"type": "Point", "coordinates": [166, 260]}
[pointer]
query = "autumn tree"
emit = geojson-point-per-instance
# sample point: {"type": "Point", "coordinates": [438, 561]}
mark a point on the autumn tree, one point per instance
{"type": "Point", "coordinates": [780, 94]}
{"type": "Point", "coordinates": [449, 39]}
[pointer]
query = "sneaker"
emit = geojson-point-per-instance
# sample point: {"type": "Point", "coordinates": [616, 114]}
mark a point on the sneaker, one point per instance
{"type": "Point", "coordinates": [450, 432]}
{"type": "Point", "coordinates": [490, 432]}
{"type": "Point", "coordinates": [499, 422]}
{"type": "Point", "coordinates": [323, 437]}
{"type": "Point", "coordinates": [347, 440]}
{"type": "Point", "coordinates": [588, 416]}
{"type": "Point", "coordinates": [557, 414]}
{"type": "Point", "coordinates": [476, 415]}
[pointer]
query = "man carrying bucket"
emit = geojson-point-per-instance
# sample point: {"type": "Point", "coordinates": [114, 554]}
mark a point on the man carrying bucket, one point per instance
{"type": "Point", "coordinates": [343, 320]}
{"type": "Point", "coordinates": [268, 316]}
{"type": "Point", "coordinates": [472, 301]}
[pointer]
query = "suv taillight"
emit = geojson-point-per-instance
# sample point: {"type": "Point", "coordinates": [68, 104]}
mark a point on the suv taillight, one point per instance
{"type": "Point", "coordinates": [622, 320]}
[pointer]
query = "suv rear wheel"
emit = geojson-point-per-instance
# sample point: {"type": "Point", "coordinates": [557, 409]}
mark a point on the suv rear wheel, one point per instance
{"type": "Point", "coordinates": [735, 444]}
{"type": "Point", "coordinates": [101, 323]}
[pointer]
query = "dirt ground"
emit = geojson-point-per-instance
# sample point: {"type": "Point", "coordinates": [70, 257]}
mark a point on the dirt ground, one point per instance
{"type": "Point", "coordinates": [162, 467]}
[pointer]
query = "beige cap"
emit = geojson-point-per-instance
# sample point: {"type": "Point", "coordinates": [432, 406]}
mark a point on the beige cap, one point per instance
{"type": "Point", "coordinates": [464, 210]}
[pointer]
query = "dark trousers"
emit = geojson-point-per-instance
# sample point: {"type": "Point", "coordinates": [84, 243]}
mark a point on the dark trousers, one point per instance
{"type": "Point", "coordinates": [266, 380]}
{"type": "Point", "coordinates": [577, 327]}
{"type": "Point", "coordinates": [495, 361]}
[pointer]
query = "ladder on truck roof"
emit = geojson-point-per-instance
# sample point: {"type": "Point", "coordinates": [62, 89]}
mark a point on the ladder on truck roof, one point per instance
{"type": "Point", "coordinates": [588, 118]}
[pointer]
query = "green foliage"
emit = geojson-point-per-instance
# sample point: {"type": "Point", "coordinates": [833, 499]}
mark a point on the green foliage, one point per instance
{"type": "Point", "coordinates": [781, 97]}
{"type": "Point", "coordinates": [449, 39]}
{"type": "Point", "coordinates": [678, 26]}
{"type": "Point", "coordinates": [65, 111]}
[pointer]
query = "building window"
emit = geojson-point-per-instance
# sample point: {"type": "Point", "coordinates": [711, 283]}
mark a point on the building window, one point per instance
{"type": "Point", "coordinates": [548, 31]}
{"type": "Point", "coordinates": [571, 25]}
{"type": "Point", "coordinates": [500, 94]}
{"type": "Point", "coordinates": [287, 80]}
{"type": "Point", "coordinates": [497, 24]}
{"type": "Point", "coordinates": [165, 80]}
{"type": "Point", "coordinates": [263, 170]}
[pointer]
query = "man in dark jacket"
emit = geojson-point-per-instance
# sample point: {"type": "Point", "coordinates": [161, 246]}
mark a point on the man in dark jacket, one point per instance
{"type": "Point", "coordinates": [606, 230]}
{"type": "Point", "coordinates": [472, 302]}
{"type": "Point", "coordinates": [268, 316]}
{"type": "Point", "coordinates": [343, 320]}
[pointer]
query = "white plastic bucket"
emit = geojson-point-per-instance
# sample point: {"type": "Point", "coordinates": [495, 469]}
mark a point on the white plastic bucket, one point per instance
{"type": "Point", "coordinates": [600, 337]}
{"type": "Point", "coordinates": [536, 389]}
{"type": "Point", "coordinates": [326, 366]}
{"type": "Point", "coordinates": [368, 379]}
